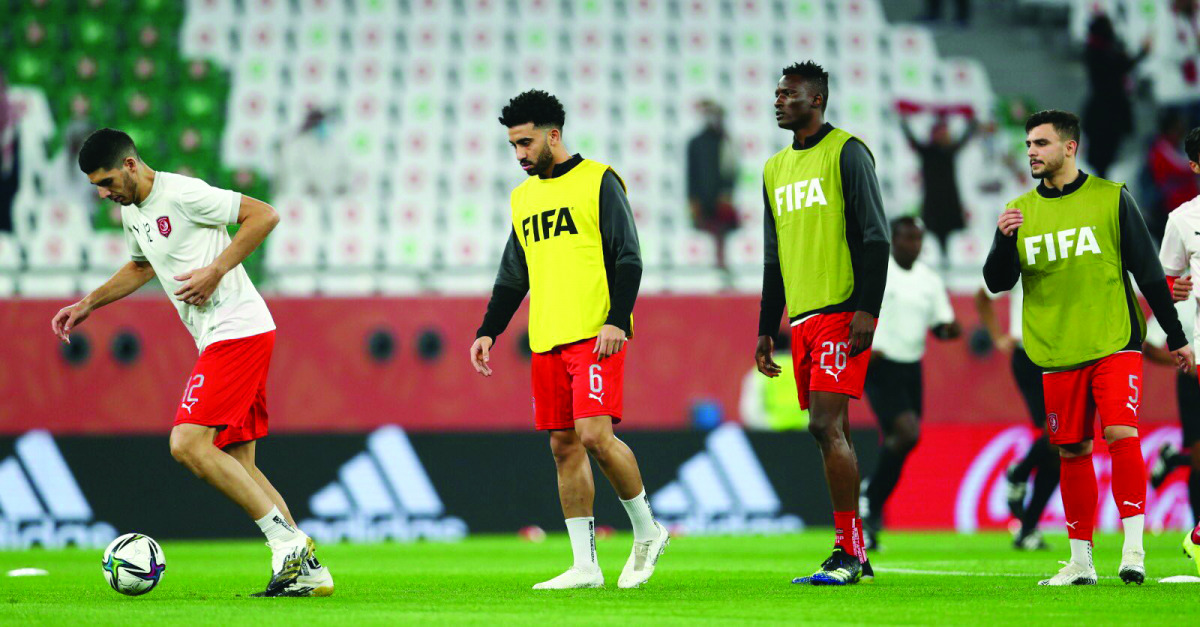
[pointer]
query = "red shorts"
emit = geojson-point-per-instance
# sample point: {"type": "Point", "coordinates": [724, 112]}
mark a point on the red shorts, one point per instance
{"type": "Point", "coordinates": [228, 389]}
{"type": "Point", "coordinates": [821, 357]}
{"type": "Point", "coordinates": [1112, 385]}
{"type": "Point", "coordinates": [569, 384]}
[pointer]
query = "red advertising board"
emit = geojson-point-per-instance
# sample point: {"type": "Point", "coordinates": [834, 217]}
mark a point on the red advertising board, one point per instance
{"type": "Point", "coordinates": [687, 349]}
{"type": "Point", "coordinates": [955, 480]}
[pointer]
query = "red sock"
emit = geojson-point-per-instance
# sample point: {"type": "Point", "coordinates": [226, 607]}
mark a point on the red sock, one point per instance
{"type": "Point", "coordinates": [860, 547]}
{"type": "Point", "coordinates": [1128, 476]}
{"type": "Point", "coordinates": [1079, 494]}
{"type": "Point", "coordinates": [1196, 535]}
{"type": "Point", "coordinates": [843, 526]}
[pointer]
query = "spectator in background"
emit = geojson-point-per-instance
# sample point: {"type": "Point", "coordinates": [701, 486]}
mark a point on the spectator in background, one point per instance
{"type": "Point", "coordinates": [1108, 110]}
{"type": "Point", "coordinates": [941, 207]}
{"type": "Point", "coordinates": [1174, 181]}
{"type": "Point", "coordinates": [304, 161]}
{"type": "Point", "coordinates": [8, 157]}
{"type": "Point", "coordinates": [1177, 77]}
{"type": "Point", "coordinates": [712, 170]}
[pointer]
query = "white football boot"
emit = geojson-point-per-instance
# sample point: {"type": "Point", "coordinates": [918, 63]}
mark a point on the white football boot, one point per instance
{"type": "Point", "coordinates": [315, 580]}
{"type": "Point", "coordinates": [286, 560]}
{"type": "Point", "coordinates": [1072, 574]}
{"type": "Point", "coordinates": [1133, 567]}
{"type": "Point", "coordinates": [643, 558]}
{"type": "Point", "coordinates": [575, 577]}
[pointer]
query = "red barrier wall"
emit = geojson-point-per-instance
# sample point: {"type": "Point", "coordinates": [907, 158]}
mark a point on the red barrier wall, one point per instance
{"type": "Point", "coordinates": [322, 378]}
{"type": "Point", "coordinates": [955, 479]}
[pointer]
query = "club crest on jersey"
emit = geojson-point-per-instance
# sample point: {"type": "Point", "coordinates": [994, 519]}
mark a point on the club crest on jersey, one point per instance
{"type": "Point", "coordinates": [1060, 245]}
{"type": "Point", "coordinates": [799, 195]}
{"type": "Point", "coordinates": [164, 226]}
{"type": "Point", "coordinates": [548, 223]}
{"type": "Point", "coordinates": [1052, 422]}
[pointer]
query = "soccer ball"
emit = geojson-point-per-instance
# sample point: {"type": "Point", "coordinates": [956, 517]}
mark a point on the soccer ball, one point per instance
{"type": "Point", "coordinates": [133, 564]}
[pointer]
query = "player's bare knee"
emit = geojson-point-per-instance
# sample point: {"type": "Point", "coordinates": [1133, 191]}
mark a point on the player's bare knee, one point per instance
{"type": "Point", "coordinates": [1119, 432]}
{"type": "Point", "coordinates": [826, 432]}
{"type": "Point", "coordinates": [183, 448]}
{"type": "Point", "coordinates": [596, 442]}
{"type": "Point", "coordinates": [564, 446]}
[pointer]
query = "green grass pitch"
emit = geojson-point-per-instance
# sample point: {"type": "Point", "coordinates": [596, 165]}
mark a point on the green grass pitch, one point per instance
{"type": "Point", "coordinates": [921, 578]}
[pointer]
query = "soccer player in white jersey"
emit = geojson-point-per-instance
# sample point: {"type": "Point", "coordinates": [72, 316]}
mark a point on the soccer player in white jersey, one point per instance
{"type": "Point", "coordinates": [915, 303]}
{"type": "Point", "coordinates": [175, 227]}
{"type": "Point", "coordinates": [1179, 255]}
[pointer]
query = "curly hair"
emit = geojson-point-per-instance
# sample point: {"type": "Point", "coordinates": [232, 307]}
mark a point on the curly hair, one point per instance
{"type": "Point", "coordinates": [814, 75]}
{"type": "Point", "coordinates": [536, 106]}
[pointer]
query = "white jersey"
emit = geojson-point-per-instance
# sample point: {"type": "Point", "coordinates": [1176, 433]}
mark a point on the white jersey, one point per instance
{"type": "Point", "coordinates": [1180, 251]}
{"type": "Point", "coordinates": [1155, 336]}
{"type": "Point", "coordinates": [914, 301]}
{"type": "Point", "coordinates": [180, 227]}
{"type": "Point", "coordinates": [1016, 300]}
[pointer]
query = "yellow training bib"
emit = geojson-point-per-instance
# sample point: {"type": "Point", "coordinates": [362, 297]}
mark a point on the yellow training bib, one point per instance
{"type": "Point", "coordinates": [557, 221]}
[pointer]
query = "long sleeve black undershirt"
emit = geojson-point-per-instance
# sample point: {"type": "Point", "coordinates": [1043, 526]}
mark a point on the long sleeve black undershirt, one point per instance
{"type": "Point", "coordinates": [1138, 254]}
{"type": "Point", "coordinates": [622, 261]}
{"type": "Point", "coordinates": [866, 235]}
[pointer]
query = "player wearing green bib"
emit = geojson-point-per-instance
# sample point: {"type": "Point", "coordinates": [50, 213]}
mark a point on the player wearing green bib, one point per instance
{"type": "Point", "coordinates": [826, 258]}
{"type": "Point", "coordinates": [1073, 241]}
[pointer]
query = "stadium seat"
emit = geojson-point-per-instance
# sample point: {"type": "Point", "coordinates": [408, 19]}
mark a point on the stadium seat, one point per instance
{"type": "Point", "coordinates": [206, 35]}
{"type": "Point", "coordinates": [693, 250]}
{"type": "Point", "coordinates": [279, 10]}
{"type": "Point", "coordinates": [54, 251]}
{"type": "Point", "coordinates": [291, 260]}
{"type": "Point", "coordinates": [259, 34]}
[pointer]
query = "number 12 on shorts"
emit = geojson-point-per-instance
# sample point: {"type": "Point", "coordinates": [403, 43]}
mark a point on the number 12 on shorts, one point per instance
{"type": "Point", "coordinates": [189, 394]}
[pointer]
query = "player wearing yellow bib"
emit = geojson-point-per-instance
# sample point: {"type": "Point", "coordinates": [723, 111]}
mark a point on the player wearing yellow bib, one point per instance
{"type": "Point", "coordinates": [574, 250]}
{"type": "Point", "coordinates": [1073, 241]}
{"type": "Point", "coordinates": [826, 258]}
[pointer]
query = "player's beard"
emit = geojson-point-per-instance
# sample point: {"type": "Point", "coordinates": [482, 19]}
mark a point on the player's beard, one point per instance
{"type": "Point", "coordinates": [1049, 168]}
{"type": "Point", "coordinates": [544, 161]}
{"type": "Point", "coordinates": [130, 192]}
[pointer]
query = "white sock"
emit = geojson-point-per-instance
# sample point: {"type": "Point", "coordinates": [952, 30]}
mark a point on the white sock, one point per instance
{"type": "Point", "coordinates": [276, 527]}
{"type": "Point", "coordinates": [642, 518]}
{"type": "Point", "coordinates": [1133, 532]}
{"type": "Point", "coordinates": [583, 541]}
{"type": "Point", "coordinates": [1081, 553]}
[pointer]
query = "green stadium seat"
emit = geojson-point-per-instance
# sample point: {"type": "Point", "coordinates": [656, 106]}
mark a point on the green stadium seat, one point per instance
{"type": "Point", "coordinates": [151, 34]}
{"type": "Point", "coordinates": [34, 31]}
{"type": "Point", "coordinates": [28, 66]}
{"type": "Point", "coordinates": [160, 9]}
{"type": "Point", "coordinates": [95, 31]}
{"type": "Point", "coordinates": [139, 104]}
{"type": "Point", "coordinates": [199, 105]}
{"type": "Point", "coordinates": [145, 69]}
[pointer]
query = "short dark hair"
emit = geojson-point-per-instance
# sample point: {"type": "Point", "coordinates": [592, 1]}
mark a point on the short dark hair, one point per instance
{"type": "Point", "coordinates": [105, 149]}
{"type": "Point", "coordinates": [1065, 122]}
{"type": "Point", "coordinates": [1191, 145]}
{"type": "Point", "coordinates": [902, 221]}
{"type": "Point", "coordinates": [536, 106]}
{"type": "Point", "coordinates": [814, 75]}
